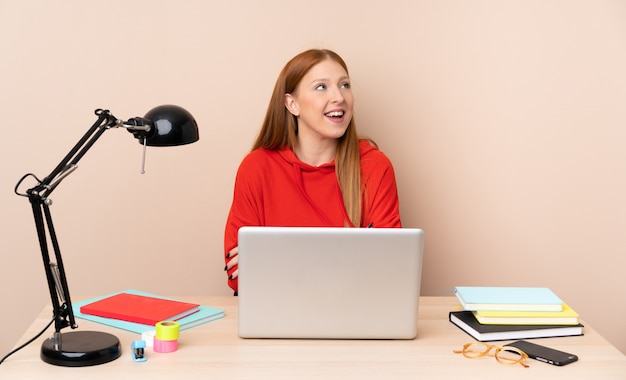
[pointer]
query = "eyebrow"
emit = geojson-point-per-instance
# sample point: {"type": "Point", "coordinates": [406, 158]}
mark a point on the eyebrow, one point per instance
{"type": "Point", "coordinates": [328, 80]}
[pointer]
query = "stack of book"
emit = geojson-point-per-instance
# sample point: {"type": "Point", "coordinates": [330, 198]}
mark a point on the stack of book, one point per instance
{"type": "Point", "coordinates": [138, 311]}
{"type": "Point", "coordinates": [504, 313]}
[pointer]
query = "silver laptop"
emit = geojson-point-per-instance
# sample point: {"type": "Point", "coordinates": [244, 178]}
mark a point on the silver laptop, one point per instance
{"type": "Point", "coordinates": [329, 283]}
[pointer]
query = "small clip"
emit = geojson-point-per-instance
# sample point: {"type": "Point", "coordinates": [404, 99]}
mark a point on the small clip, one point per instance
{"type": "Point", "coordinates": [137, 350]}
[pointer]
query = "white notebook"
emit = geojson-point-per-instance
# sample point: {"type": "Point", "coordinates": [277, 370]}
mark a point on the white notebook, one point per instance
{"type": "Point", "coordinates": [329, 283]}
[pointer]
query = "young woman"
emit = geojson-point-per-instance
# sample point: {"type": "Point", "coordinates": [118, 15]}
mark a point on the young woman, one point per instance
{"type": "Point", "coordinates": [308, 167]}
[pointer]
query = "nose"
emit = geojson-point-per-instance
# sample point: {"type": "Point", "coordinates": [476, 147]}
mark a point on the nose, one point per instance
{"type": "Point", "coordinates": [337, 95]}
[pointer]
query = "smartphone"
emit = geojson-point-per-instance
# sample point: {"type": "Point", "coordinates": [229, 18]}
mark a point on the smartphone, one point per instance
{"type": "Point", "coordinates": [543, 353]}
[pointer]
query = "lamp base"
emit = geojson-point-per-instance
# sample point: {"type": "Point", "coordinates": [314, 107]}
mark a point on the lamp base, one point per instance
{"type": "Point", "coordinates": [81, 348]}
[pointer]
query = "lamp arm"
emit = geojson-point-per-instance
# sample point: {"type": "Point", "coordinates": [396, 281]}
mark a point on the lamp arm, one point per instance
{"type": "Point", "coordinates": [55, 273]}
{"type": "Point", "coordinates": [38, 197]}
{"type": "Point", "coordinates": [69, 162]}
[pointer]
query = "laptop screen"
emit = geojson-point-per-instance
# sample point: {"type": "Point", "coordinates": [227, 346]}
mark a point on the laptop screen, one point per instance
{"type": "Point", "coordinates": [329, 283]}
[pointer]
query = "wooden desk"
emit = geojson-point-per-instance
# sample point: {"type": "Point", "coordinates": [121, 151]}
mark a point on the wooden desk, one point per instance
{"type": "Point", "coordinates": [214, 351]}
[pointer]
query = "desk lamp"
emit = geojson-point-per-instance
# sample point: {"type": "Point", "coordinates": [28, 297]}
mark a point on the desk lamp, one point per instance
{"type": "Point", "coordinates": [165, 125]}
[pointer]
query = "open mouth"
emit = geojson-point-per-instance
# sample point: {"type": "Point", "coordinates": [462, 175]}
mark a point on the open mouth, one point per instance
{"type": "Point", "coordinates": [335, 114]}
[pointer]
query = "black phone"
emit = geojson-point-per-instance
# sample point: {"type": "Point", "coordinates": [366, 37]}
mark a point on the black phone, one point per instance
{"type": "Point", "coordinates": [543, 353]}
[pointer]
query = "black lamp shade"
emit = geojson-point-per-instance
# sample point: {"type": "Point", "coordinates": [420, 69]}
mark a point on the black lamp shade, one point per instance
{"type": "Point", "coordinates": [173, 125]}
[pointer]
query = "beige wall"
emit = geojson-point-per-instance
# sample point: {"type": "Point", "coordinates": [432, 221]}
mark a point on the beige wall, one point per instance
{"type": "Point", "coordinates": [505, 121]}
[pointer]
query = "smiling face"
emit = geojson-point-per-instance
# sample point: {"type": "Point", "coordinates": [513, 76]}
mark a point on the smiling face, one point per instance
{"type": "Point", "coordinates": [323, 103]}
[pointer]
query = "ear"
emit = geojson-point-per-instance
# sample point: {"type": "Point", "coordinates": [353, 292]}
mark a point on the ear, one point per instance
{"type": "Point", "coordinates": [292, 105]}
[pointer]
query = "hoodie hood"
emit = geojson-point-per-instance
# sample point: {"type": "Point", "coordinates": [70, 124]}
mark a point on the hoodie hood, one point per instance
{"type": "Point", "coordinates": [289, 155]}
{"type": "Point", "coordinates": [300, 169]}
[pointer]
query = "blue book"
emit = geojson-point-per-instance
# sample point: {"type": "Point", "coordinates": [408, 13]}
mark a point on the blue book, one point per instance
{"type": "Point", "coordinates": [477, 298]}
{"type": "Point", "coordinates": [204, 315]}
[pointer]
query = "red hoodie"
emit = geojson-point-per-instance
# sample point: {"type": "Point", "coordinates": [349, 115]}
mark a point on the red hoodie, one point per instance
{"type": "Point", "coordinates": [275, 188]}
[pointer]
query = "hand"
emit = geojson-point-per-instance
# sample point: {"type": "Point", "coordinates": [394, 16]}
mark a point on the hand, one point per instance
{"type": "Point", "coordinates": [233, 261]}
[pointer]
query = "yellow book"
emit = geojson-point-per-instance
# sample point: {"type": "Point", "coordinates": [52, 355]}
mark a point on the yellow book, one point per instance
{"type": "Point", "coordinates": [565, 317]}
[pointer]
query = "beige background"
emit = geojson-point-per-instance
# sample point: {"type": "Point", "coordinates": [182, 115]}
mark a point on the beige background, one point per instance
{"type": "Point", "coordinates": [505, 121]}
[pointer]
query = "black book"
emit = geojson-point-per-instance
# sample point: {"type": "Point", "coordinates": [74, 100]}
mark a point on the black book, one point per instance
{"type": "Point", "coordinates": [466, 321]}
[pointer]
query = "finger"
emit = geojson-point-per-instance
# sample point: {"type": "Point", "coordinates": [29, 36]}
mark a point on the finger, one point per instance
{"type": "Point", "coordinates": [234, 275]}
{"type": "Point", "coordinates": [233, 252]}
{"type": "Point", "coordinates": [232, 262]}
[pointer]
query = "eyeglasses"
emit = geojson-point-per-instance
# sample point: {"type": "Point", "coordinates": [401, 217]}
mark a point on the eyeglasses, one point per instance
{"type": "Point", "coordinates": [504, 355]}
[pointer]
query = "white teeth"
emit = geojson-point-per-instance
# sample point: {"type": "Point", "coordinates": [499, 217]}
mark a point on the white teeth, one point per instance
{"type": "Point", "coordinates": [335, 114]}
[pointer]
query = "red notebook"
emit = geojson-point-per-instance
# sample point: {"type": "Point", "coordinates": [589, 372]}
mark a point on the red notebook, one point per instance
{"type": "Point", "coordinates": [139, 309]}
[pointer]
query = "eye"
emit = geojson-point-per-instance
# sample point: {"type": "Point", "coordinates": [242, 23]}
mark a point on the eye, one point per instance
{"type": "Point", "coordinates": [345, 85]}
{"type": "Point", "coordinates": [320, 87]}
